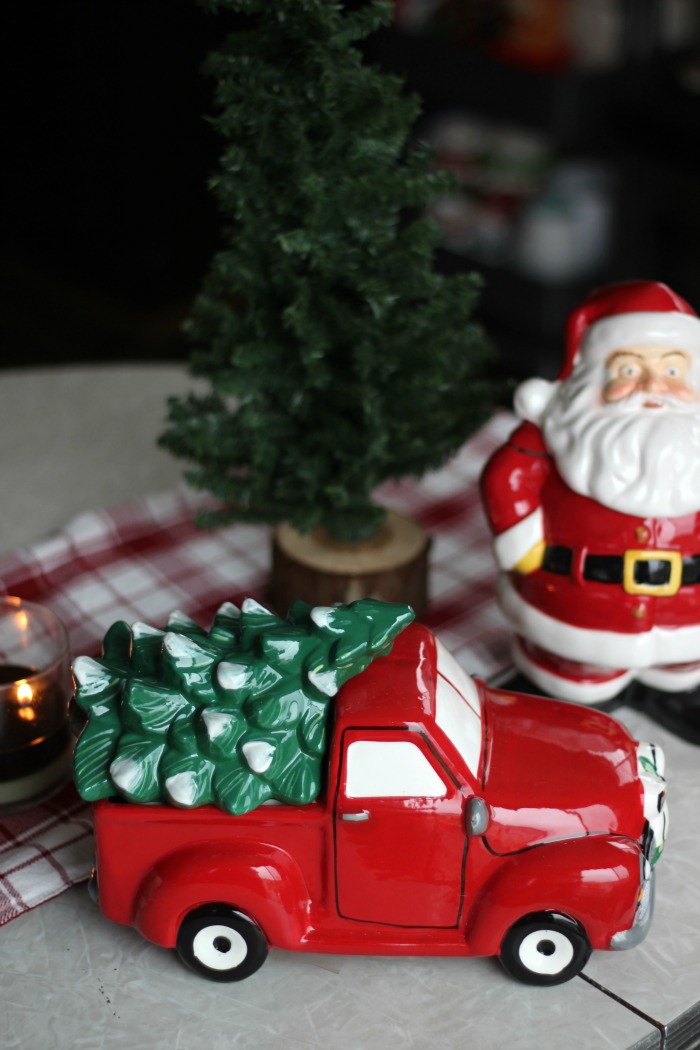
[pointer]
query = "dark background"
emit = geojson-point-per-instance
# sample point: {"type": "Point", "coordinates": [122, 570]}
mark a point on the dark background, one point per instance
{"type": "Point", "coordinates": [109, 225]}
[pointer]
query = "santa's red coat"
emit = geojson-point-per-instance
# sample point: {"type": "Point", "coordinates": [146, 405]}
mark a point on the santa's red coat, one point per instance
{"type": "Point", "coordinates": [588, 600]}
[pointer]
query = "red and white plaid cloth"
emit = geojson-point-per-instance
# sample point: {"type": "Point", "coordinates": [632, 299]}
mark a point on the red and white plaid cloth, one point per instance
{"type": "Point", "coordinates": [43, 851]}
{"type": "Point", "coordinates": [143, 560]}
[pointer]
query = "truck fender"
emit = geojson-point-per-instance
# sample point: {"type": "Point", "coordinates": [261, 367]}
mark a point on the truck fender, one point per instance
{"type": "Point", "coordinates": [261, 881]}
{"type": "Point", "coordinates": [593, 880]}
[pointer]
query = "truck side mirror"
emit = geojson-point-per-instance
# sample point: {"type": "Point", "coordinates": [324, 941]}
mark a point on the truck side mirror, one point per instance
{"type": "Point", "coordinates": [477, 816]}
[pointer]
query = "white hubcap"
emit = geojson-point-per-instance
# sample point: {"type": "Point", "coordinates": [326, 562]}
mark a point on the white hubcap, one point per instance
{"type": "Point", "coordinates": [546, 951]}
{"type": "Point", "coordinates": [219, 947]}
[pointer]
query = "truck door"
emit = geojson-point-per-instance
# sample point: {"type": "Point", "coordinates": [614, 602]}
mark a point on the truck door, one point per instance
{"type": "Point", "coordinates": [400, 842]}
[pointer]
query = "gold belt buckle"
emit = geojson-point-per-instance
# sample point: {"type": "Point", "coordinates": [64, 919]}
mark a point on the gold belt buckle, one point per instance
{"type": "Point", "coordinates": [630, 585]}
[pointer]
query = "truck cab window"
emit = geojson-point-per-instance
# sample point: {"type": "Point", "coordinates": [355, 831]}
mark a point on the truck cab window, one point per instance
{"type": "Point", "coordinates": [390, 769]}
{"type": "Point", "coordinates": [458, 708]}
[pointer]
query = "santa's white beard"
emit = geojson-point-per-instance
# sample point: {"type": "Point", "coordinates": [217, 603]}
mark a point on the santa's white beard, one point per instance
{"type": "Point", "coordinates": [639, 461]}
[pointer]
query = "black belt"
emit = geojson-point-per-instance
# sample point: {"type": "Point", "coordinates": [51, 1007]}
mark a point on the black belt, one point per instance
{"type": "Point", "coordinates": [637, 571]}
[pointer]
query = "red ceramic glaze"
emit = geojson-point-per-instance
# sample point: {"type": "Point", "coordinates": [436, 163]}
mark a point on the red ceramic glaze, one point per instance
{"type": "Point", "coordinates": [520, 478]}
{"type": "Point", "coordinates": [456, 819]}
{"type": "Point", "coordinates": [594, 506]}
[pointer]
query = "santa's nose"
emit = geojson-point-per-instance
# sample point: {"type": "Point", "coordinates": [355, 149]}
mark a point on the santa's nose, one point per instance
{"type": "Point", "coordinates": [652, 383]}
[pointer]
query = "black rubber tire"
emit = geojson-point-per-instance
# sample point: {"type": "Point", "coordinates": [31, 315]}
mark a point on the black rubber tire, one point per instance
{"type": "Point", "coordinates": [545, 949]}
{"type": "Point", "coordinates": [220, 943]}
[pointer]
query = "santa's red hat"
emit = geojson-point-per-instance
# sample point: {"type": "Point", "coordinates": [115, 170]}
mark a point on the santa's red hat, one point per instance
{"type": "Point", "coordinates": [631, 313]}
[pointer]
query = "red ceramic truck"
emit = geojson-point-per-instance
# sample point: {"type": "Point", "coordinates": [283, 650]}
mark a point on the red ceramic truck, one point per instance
{"type": "Point", "coordinates": [455, 819]}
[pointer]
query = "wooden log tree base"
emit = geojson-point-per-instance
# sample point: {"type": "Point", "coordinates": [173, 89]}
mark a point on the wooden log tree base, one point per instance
{"type": "Point", "coordinates": [392, 566]}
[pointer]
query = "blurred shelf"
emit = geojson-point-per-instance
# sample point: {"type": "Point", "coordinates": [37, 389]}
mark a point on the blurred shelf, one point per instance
{"type": "Point", "coordinates": [572, 107]}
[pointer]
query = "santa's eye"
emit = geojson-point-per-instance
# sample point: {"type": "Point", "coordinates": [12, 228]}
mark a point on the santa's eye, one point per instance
{"type": "Point", "coordinates": [673, 372]}
{"type": "Point", "coordinates": [628, 371]}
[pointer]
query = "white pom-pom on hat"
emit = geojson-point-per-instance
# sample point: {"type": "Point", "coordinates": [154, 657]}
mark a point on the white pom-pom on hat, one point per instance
{"type": "Point", "coordinates": [532, 397]}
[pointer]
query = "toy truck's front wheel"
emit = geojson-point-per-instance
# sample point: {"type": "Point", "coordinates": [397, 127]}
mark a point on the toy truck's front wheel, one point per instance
{"type": "Point", "coordinates": [221, 943]}
{"type": "Point", "coordinates": [545, 949]}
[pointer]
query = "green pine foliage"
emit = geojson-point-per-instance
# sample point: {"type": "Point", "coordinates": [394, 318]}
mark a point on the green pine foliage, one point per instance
{"type": "Point", "coordinates": [233, 716]}
{"type": "Point", "coordinates": [338, 357]}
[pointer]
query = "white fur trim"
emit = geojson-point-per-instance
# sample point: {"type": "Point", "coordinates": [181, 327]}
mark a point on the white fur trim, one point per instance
{"type": "Point", "coordinates": [515, 542]}
{"type": "Point", "coordinates": [669, 680]}
{"type": "Point", "coordinates": [563, 688]}
{"type": "Point", "coordinates": [532, 398]}
{"type": "Point", "coordinates": [674, 330]}
{"type": "Point", "coordinates": [656, 647]}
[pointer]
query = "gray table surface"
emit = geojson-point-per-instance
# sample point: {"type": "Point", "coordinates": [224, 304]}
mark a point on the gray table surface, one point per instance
{"type": "Point", "coordinates": [81, 437]}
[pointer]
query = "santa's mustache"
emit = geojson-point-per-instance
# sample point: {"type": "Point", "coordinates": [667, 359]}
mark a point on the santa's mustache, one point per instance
{"type": "Point", "coordinates": [642, 401]}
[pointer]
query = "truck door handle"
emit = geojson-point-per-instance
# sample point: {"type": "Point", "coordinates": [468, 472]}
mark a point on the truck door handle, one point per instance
{"type": "Point", "coordinates": [355, 818]}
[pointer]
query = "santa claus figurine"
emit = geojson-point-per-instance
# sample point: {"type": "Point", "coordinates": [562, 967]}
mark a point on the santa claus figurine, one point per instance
{"type": "Point", "coordinates": [594, 503]}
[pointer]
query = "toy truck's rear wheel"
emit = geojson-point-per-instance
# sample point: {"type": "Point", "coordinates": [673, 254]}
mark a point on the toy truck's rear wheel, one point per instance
{"type": "Point", "coordinates": [221, 943]}
{"type": "Point", "coordinates": [545, 949]}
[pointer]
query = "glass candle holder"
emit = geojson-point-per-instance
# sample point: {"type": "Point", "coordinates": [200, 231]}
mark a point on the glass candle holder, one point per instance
{"type": "Point", "coordinates": [35, 689]}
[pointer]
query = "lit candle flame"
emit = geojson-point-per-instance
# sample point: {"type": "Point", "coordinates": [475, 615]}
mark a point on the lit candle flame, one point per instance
{"type": "Point", "coordinates": [24, 693]}
{"type": "Point", "coordinates": [25, 696]}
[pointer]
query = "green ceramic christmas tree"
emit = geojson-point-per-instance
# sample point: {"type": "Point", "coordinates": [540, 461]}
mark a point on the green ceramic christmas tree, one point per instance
{"type": "Point", "coordinates": [233, 716]}
{"type": "Point", "coordinates": [338, 357]}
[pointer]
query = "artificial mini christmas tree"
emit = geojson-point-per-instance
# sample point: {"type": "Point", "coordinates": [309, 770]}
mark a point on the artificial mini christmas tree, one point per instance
{"type": "Point", "coordinates": [338, 357]}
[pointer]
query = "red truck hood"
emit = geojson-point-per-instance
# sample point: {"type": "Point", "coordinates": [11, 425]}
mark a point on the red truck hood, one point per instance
{"type": "Point", "coordinates": [555, 770]}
